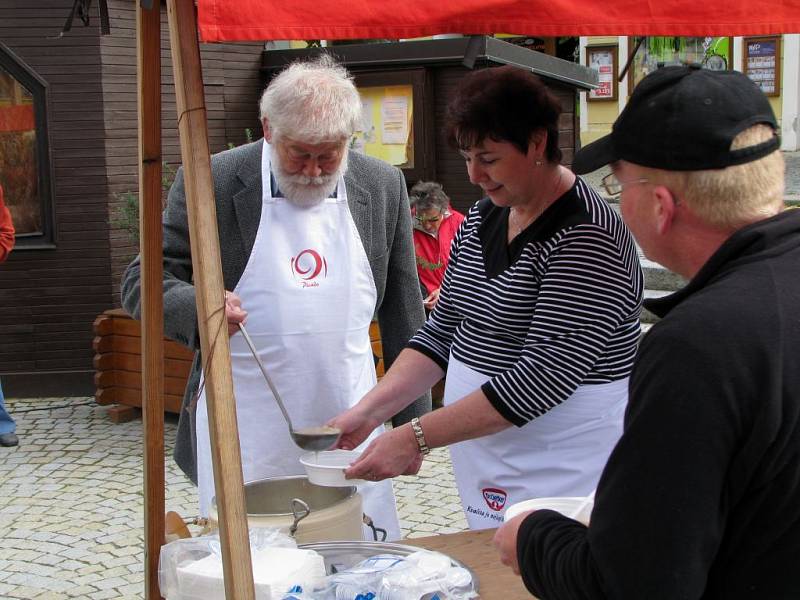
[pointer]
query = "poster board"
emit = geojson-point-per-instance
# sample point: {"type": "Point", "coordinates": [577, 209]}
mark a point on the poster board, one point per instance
{"type": "Point", "coordinates": [387, 124]}
{"type": "Point", "coordinates": [762, 63]}
{"type": "Point", "coordinates": [603, 60]}
{"type": "Point", "coordinates": [397, 124]}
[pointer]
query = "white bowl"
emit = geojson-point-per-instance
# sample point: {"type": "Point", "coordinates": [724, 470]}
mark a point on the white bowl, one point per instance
{"type": "Point", "coordinates": [565, 505]}
{"type": "Point", "coordinates": [327, 468]}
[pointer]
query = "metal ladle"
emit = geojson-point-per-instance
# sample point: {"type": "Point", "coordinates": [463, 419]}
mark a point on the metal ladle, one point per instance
{"type": "Point", "coordinates": [312, 439]}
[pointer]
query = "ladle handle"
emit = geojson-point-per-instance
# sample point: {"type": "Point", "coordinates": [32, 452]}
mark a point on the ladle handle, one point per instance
{"type": "Point", "coordinates": [266, 376]}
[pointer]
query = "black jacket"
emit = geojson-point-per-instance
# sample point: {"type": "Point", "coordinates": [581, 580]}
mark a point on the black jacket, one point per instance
{"type": "Point", "coordinates": [701, 497]}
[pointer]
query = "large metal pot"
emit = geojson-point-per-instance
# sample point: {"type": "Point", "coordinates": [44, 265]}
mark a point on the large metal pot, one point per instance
{"type": "Point", "coordinates": [316, 513]}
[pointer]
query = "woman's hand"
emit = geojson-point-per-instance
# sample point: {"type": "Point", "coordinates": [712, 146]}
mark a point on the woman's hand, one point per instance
{"type": "Point", "coordinates": [432, 298]}
{"type": "Point", "coordinates": [355, 424]}
{"type": "Point", "coordinates": [393, 453]}
{"type": "Point", "coordinates": [505, 540]}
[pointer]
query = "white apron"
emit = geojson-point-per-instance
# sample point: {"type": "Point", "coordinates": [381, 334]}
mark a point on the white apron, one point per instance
{"type": "Point", "coordinates": [310, 296]}
{"type": "Point", "coordinates": [561, 453]}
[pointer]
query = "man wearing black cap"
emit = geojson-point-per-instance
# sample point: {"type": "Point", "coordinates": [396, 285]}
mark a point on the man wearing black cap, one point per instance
{"type": "Point", "coordinates": [700, 499]}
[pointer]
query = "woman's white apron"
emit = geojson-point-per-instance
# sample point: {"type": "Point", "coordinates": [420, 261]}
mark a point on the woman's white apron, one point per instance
{"type": "Point", "coordinates": [561, 453]}
{"type": "Point", "coordinates": [310, 296]}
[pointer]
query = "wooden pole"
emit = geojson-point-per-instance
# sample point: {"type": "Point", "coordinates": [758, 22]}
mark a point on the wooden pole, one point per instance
{"type": "Point", "coordinates": [210, 291]}
{"type": "Point", "coordinates": [148, 46]}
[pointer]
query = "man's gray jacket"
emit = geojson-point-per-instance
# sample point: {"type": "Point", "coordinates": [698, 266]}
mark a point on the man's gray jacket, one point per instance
{"type": "Point", "coordinates": [378, 202]}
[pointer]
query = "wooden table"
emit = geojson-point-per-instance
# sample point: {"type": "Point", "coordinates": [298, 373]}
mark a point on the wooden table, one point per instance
{"type": "Point", "coordinates": [475, 550]}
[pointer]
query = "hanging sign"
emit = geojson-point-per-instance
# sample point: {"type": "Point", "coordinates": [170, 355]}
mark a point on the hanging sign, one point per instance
{"type": "Point", "coordinates": [762, 63]}
{"type": "Point", "coordinates": [603, 60]}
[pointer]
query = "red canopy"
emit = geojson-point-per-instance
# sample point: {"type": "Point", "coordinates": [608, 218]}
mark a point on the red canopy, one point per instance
{"type": "Point", "coordinates": [229, 20]}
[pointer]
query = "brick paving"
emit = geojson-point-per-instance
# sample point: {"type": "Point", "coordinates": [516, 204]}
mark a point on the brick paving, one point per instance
{"type": "Point", "coordinates": [71, 502]}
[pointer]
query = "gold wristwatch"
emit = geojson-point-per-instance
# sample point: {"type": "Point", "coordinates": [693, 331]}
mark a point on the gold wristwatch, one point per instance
{"type": "Point", "coordinates": [420, 435]}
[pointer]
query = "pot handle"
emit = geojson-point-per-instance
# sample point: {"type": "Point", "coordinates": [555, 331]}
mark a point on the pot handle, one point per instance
{"type": "Point", "coordinates": [300, 510]}
{"type": "Point", "coordinates": [367, 520]}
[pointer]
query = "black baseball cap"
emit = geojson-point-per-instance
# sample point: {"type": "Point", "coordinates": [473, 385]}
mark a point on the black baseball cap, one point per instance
{"type": "Point", "coordinates": [684, 118]}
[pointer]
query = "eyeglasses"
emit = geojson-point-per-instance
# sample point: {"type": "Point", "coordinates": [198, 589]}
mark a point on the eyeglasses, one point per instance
{"type": "Point", "coordinates": [614, 186]}
{"type": "Point", "coordinates": [298, 152]}
{"type": "Point", "coordinates": [428, 219]}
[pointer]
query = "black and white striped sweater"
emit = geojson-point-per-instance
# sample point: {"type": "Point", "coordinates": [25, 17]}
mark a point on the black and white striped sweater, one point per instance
{"type": "Point", "coordinates": [557, 308]}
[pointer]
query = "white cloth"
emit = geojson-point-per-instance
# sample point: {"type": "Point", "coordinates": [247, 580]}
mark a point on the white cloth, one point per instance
{"type": "Point", "coordinates": [309, 296]}
{"type": "Point", "coordinates": [561, 453]}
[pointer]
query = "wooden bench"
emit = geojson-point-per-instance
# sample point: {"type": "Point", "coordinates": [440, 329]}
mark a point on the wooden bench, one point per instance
{"type": "Point", "coordinates": [118, 366]}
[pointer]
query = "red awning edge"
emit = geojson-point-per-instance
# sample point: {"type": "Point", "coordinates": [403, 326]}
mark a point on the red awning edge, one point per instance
{"type": "Point", "coordinates": [240, 20]}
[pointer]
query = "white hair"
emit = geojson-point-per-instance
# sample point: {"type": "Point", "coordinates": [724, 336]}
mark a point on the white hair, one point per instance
{"type": "Point", "coordinates": [312, 101]}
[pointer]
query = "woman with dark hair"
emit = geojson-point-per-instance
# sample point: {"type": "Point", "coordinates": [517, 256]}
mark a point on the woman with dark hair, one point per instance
{"type": "Point", "coordinates": [537, 321]}
{"type": "Point", "coordinates": [435, 227]}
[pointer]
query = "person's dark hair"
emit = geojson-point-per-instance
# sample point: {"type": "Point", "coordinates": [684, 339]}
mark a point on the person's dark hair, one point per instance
{"type": "Point", "coordinates": [428, 194]}
{"type": "Point", "coordinates": [504, 104]}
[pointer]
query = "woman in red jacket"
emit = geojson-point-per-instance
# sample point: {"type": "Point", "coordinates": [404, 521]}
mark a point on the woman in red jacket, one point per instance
{"type": "Point", "coordinates": [435, 226]}
{"type": "Point", "coordinates": [7, 425]}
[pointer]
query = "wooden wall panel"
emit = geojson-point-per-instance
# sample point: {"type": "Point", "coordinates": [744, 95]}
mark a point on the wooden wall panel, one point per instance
{"type": "Point", "coordinates": [451, 171]}
{"type": "Point", "coordinates": [225, 66]}
{"type": "Point", "coordinates": [59, 283]}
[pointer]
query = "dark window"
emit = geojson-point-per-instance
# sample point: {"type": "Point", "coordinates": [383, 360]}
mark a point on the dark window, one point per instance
{"type": "Point", "coordinates": [24, 152]}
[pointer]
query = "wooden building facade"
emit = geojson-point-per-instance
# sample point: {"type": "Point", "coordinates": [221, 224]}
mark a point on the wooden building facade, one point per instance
{"type": "Point", "coordinates": [77, 97]}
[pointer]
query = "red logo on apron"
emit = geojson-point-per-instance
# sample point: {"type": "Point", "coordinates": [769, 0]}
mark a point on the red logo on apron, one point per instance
{"type": "Point", "coordinates": [495, 498]}
{"type": "Point", "coordinates": [307, 266]}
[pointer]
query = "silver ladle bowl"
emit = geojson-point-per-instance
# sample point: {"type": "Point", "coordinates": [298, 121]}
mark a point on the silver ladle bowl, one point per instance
{"type": "Point", "coordinates": [312, 439]}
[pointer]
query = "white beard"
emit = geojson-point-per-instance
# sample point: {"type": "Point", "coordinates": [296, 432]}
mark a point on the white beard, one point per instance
{"type": "Point", "coordinates": [303, 190]}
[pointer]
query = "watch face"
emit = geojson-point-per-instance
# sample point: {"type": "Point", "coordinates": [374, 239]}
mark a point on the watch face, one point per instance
{"type": "Point", "coordinates": [715, 62]}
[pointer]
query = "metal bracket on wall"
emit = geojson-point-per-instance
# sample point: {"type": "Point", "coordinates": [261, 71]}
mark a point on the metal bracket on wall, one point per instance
{"type": "Point", "coordinates": [81, 9]}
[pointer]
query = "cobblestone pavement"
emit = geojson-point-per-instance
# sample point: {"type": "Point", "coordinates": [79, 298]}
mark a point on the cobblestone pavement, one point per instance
{"type": "Point", "coordinates": [71, 497]}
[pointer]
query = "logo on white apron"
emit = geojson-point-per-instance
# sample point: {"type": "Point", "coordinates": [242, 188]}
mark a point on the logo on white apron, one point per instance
{"type": "Point", "coordinates": [308, 266]}
{"type": "Point", "coordinates": [495, 498]}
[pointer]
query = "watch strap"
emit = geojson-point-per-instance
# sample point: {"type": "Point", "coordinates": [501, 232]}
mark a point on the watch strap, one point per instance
{"type": "Point", "coordinates": [416, 426]}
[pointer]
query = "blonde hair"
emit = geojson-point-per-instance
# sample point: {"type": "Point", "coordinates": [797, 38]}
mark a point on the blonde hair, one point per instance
{"type": "Point", "coordinates": [732, 197]}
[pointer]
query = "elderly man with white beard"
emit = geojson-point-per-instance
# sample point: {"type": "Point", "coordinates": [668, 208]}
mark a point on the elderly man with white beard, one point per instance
{"type": "Point", "coordinates": [316, 241]}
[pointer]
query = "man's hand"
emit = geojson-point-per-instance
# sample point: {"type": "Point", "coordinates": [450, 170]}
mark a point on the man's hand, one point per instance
{"type": "Point", "coordinates": [505, 540]}
{"type": "Point", "coordinates": [234, 313]}
{"type": "Point", "coordinates": [391, 454]}
{"type": "Point", "coordinates": [432, 299]}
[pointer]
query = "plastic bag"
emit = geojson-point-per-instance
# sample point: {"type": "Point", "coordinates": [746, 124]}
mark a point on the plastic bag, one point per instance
{"type": "Point", "coordinates": [422, 575]}
{"type": "Point", "coordinates": [191, 569]}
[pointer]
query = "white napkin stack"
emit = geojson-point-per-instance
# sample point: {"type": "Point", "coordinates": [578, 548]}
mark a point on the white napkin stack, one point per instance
{"type": "Point", "coordinates": [275, 570]}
